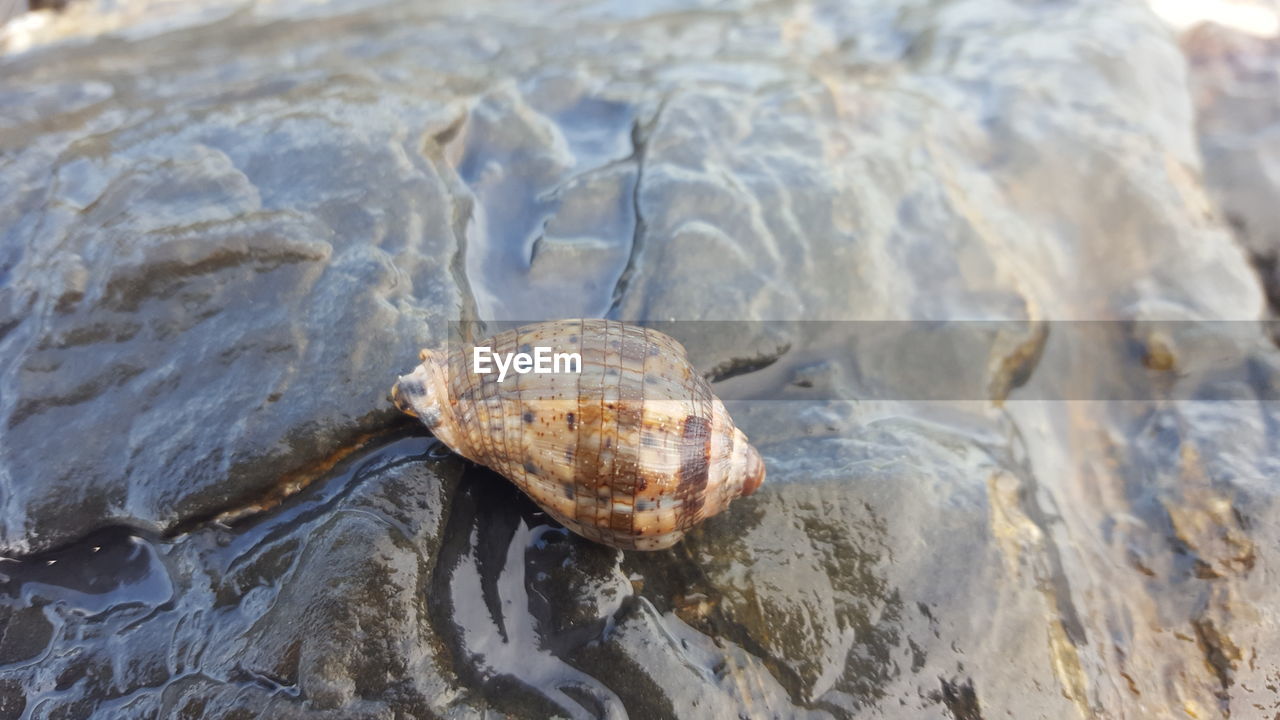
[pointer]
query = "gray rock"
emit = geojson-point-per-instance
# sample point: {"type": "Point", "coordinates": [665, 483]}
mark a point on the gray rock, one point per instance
{"type": "Point", "coordinates": [201, 300]}
{"type": "Point", "coordinates": [225, 230]}
{"type": "Point", "coordinates": [1235, 83]}
{"type": "Point", "coordinates": [317, 611]}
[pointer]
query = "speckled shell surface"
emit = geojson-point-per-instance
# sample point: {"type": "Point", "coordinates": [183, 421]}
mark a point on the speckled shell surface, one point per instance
{"type": "Point", "coordinates": [631, 452]}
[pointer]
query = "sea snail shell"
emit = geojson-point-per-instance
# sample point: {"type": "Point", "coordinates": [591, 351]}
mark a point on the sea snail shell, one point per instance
{"type": "Point", "coordinates": [631, 451]}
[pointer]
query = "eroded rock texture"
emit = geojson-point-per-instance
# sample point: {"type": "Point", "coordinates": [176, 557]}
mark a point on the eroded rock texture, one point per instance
{"type": "Point", "coordinates": [224, 229]}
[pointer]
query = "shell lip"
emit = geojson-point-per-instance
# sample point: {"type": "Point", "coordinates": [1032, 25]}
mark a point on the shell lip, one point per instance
{"type": "Point", "coordinates": [400, 402]}
{"type": "Point", "coordinates": [754, 477]}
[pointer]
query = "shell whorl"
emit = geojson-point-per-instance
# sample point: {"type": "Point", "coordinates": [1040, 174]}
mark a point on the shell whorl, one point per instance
{"type": "Point", "coordinates": [631, 452]}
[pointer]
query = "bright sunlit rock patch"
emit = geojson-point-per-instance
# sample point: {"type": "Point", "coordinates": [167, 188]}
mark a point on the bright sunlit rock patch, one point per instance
{"type": "Point", "coordinates": [1261, 18]}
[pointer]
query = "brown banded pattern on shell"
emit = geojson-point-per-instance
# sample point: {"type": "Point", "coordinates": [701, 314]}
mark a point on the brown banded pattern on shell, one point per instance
{"type": "Point", "coordinates": [631, 452]}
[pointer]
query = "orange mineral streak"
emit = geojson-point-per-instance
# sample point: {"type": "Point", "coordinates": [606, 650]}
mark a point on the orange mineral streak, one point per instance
{"type": "Point", "coordinates": [294, 482]}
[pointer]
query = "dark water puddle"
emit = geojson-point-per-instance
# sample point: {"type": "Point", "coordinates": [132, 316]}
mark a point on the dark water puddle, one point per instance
{"type": "Point", "coordinates": [109, 569]}
{"type": "Point", "coordinates": [121, 569]}
{"type": "Point", "coordinates": [489, 596]}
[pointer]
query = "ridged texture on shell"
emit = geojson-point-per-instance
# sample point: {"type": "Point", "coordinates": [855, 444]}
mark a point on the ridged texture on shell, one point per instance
{"type": "Point", "coordinates": [631, 452]}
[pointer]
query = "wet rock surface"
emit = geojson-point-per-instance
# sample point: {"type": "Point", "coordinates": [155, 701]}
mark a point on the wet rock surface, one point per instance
{"type": "Point", "coordinates": [1235, 82]}
{"type": "Point", "coordinates": [323, 601]}
{"type": "Point", "coordinates": [225, 231]}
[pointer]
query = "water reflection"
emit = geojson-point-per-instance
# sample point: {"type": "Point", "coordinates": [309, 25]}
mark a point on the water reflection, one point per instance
{"type": "Point", "coordinates": [110, 569]}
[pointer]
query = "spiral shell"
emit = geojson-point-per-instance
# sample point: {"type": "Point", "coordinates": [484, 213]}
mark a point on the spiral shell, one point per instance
{"type": "Point", "coordinates": [631, 451]}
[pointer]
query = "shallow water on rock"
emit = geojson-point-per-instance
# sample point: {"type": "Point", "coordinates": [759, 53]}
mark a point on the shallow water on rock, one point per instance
{"type": "Point", "coordinates": [225, 229]}
{"type": "Point", "coordinates": [531, 620]}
